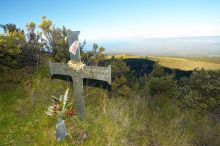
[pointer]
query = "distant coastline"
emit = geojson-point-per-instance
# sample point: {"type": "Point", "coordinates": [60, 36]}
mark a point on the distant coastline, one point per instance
{"type": "Point", "coordinates": [200, 46]}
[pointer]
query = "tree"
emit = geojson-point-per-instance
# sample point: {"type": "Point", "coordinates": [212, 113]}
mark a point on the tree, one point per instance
{"type": "Point", "coordinates": [18, 49]}
{"type": "Point", "coordinates": [94, 57]}
{"type": "Point", "coordinates": [55, 40]}
{"type": "Point", "coordinates": [120, 77]}
{"type": "Point", "coordinates": [158, 71]}
{"type": "Point", "coordinates": [11, 43]}
{"type": "Point", "coordinates": [9, 28]}
{"type": "Point", "coordinates": [34, 45]}
{"type": "Point", "coordinates": [201, 91]}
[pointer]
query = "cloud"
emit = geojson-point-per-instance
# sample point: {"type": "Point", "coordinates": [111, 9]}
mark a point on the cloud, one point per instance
{"type": "Point", "coordinates": [155, 31]}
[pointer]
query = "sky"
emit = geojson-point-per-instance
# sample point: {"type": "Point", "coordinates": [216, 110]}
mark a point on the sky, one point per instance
{"type": "Point", "coordinates": [118, 22]}
{"type": "Point", "coordinates": [120, 19]}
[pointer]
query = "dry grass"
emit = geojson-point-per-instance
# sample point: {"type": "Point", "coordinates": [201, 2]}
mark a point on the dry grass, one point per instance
{"type": "Point", "coordinates": [109, 121]}
{"type": "Point", "coordinates": [140, 120]}
{"type": "Point", "coordinates": [177, 62]}
{"type": "Point", "coordinates": [184, 63]}
{"type": "Point", "coordinates": [124, 56]}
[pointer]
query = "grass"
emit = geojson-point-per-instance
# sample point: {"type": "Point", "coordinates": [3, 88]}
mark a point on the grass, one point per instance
{"type": "Point", "coordinates": [206, 59]}
{"type": "Point", "coordinates": [138, 120]}
{"type": "Point", "coordinates": [124, 56]}
{"type": "Point", "coordinates": [109, 122]}
{"type": "Point", "coordinates": [185, 63]}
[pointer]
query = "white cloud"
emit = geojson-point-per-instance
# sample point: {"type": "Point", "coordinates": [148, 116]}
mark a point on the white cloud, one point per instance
{"type": "Point", "coordinates": [140, 32]}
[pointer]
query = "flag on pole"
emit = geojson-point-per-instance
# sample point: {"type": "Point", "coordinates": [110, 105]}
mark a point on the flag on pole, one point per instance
{"type": "Point", "coordinates": [73, 48]}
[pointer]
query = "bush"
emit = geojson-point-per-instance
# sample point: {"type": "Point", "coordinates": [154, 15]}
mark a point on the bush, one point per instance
{"type": "Point", "coordinates": [201, 91]}
{"type": "Point", "coordinates": [120, 87]}
{"type": "Point", "coordinates": [158, 71]}
{"type": "Point", "coordinates": [161, 86]}
{"type": "Point", "coordinates": [119, 68]}
{"type": "Point", "coordinates": [158, 83]}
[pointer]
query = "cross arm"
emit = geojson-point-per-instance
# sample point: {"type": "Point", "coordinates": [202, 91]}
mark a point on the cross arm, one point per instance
{"type": "Point", "coordinates": [98, 73]}
{"type": "Point", "coordinates": [59, 69]}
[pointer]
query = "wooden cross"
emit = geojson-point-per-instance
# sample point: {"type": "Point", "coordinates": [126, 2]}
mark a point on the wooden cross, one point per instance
{"type": "Point", "coordinates": [89, 72]}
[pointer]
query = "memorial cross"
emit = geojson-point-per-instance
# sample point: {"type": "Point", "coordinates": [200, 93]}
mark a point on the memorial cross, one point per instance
{"type": "Point", "coordinates": [89, 72]}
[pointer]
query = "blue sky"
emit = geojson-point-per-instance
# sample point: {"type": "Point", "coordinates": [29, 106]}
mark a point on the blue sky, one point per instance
{"type": "Point", "coordinates": [120, 19]}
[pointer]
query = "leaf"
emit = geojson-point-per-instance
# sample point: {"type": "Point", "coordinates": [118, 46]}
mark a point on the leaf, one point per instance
{"type": "Point", "coordinates": [65, 97]}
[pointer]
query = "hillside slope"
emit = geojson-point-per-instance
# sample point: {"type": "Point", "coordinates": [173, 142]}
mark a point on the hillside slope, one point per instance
{"type": "Point", "coordinates": [185, 64]}
{"type": "Point", "coordinates": [136, 119]}
{"type": "Point", "coordinates": [109, 121]}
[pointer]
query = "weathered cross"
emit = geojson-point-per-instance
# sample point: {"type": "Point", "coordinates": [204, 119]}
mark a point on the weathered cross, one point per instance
{"type": "Point", "coordinates": [89, 72]}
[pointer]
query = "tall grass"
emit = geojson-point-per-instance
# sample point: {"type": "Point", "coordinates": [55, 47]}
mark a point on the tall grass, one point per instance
{"type": "Point", "coordinates": [135, 121]}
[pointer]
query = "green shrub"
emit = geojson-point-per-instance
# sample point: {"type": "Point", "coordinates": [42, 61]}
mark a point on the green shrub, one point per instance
{"type": "Point", "coordinates": [119, 68]}
{"type": "Point", "coordinates": [161, 86]}
{"type": "Point", "coordinates": [158, 71]}
{"type": "Point", "coordinates": [201, 91]}
{"type": "Point", "coordinates": [120, 87]}
{"type": "Point", "coordinates": [120, 77]}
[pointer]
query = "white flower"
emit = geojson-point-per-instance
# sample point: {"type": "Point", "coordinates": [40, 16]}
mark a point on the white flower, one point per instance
{"type": "Point", "coordinates": [50, 111]}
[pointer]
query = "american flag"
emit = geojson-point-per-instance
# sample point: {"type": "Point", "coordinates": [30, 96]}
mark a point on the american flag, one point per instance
{"type": "Point", "coordinates": [73, 48]}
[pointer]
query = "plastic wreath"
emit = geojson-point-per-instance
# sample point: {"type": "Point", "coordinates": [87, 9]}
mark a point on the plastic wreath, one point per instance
{"type": "Point", "coordinates": [76, 66]}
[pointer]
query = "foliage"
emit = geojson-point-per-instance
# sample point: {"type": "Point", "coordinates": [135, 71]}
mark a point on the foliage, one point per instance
{"type": "Point", "coordinates": [55, 40]}
{"type": "Point", "coordinates": [110, 120]}
{"type": "Point", "coordinates": [160, 84]}
{"type": "Point", "coordinates": [11, 45]}
{"type": "Point", "coordinates": [46, 25]}
{"type": "Point", "coordinates": [95, 56]}
{"type": "Point", "coordinates": [120, 74]}
{"type": "Point", "coordinates": [119, 68]}
{"type": "Point", "coordinates": [19, 48]}
{"type": "Point", "coordinates": [33, 50]}
{"type": "Point", "coordinates": [139, 120]}
{"type": "Point", "coordinates": [8, 28]}
{"type": "Point", "coordinates": [201, 91]}
{"type": "Point", "coordinates": [158, 71]}
{"type": "Point", "coordinates": [164, 86]}
{"type": "Point", "coordinates": [120, 87]}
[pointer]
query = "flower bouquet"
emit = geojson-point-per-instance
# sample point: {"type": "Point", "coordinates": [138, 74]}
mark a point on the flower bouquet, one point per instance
{"type": "Point", "coordinates": [62, 108]}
